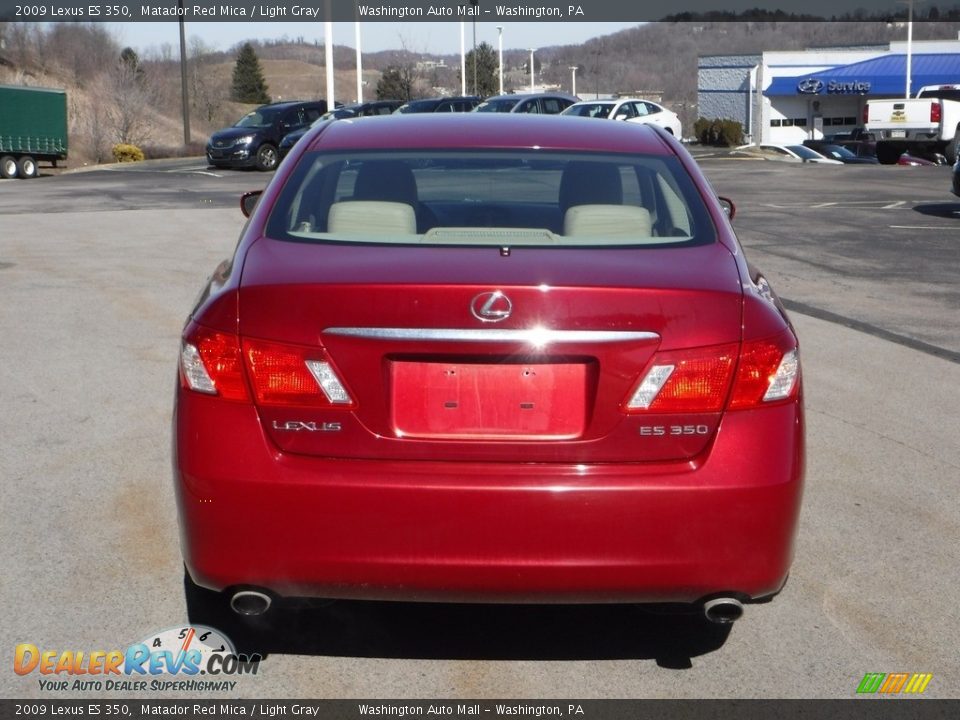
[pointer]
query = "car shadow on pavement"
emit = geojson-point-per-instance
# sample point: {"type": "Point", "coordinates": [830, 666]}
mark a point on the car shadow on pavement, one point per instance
{"type": "Point", "coordinates": [944, 210]}
{"type": "Point", "coordinates": [670, 635]}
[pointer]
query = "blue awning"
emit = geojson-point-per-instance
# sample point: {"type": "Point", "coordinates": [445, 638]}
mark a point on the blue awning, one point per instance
{"type": "Point", "coordinates": [880, 76]}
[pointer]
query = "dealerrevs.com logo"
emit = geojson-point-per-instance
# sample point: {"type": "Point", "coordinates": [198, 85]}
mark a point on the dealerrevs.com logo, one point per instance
{"type": "Point", "coordinates": [894, 683]}
{"type": "Point", "coordinates": [189, 659]}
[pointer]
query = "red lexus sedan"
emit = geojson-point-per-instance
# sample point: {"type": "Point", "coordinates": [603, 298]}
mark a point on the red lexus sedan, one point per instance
{"type": "Point", "coordinates": [489, 358]}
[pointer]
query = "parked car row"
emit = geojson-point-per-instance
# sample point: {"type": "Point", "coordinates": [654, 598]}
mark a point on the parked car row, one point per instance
{"type": "Point", "coordinates": [827, 153]}
{"type": "Point", "coordinates": [264, 136]}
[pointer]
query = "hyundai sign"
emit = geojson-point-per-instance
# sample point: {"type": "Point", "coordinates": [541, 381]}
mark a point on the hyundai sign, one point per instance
{"type": "Point", "coordinates": [816, 86]}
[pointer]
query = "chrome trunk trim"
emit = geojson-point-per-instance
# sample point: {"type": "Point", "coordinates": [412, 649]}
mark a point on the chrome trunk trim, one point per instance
{"type": "Point", "coordinates": [535, 336]}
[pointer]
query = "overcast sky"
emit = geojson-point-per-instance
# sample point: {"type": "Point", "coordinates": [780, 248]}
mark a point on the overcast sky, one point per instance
{"type": "Point", "coordinates": [420, 37]}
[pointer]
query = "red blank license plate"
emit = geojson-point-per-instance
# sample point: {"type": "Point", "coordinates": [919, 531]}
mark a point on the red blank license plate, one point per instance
{"type": "Point", "coordinates": [473, 401]}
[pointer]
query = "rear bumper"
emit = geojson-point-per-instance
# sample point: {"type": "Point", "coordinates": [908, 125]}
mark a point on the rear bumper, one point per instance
{"type": "Point", "coordinates": [251, 515]}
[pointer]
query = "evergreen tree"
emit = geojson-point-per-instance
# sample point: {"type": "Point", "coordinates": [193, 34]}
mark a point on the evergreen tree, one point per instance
{"type": "Point", "coordinates": [248, 83]}
{"type": "Point", "coordinates": [488, 82]}
{"type": "Point", "coordinates": [130, 62]}
{"type": "Point", "coordinates": [396, 83]}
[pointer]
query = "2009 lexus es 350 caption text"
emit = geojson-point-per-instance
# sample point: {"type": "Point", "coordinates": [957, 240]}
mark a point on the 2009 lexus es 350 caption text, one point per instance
{"type": "Point", "coordinates": [489, 358]}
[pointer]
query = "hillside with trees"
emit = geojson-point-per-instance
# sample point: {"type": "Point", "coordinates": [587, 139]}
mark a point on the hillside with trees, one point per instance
{"type": "Point", "coordinates": [117, 95]}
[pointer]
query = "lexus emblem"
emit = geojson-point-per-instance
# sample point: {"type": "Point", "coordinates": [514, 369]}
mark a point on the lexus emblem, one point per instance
{"type": "Point", "coordinates": [491, 306]}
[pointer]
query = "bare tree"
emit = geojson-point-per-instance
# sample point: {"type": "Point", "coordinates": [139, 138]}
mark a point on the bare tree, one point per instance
{"type": "Point", "coordinates": [206, 97]}
{"type": "Point", "coordinates": [22, 40]}
{"type": "Point", "coordinates": [128, 105]}
{"type": "Point", "coordinates": [81, 49]}
{"type": "Point", "coordinates": [94, 124]}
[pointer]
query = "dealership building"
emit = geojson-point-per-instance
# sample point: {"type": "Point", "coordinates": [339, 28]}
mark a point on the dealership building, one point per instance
{"type": "Point", "coordinates": [787, 97]}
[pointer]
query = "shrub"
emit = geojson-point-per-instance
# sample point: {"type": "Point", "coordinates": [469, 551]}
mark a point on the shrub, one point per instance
{"type": "Point", "coordinates": [154, 152]}
{"type": "Point", "coordinates": [718, 132]}
{"type": "Point", "coordinates": [127, 153]}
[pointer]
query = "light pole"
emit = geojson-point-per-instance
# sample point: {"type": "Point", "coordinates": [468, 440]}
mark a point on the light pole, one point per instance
{"type": "Point", "coordinates": [532, 51]}
{"type": "Point", "coordinates": [573, 79]}
{"type": "Point", "coordinates": [474, 3]}
{"type": "Point", "coordinates": [909, 47]}
{"type": "Point", "coordinates": [500, 54]}
{"type": "Point", "coordinates": [463, 63]}
{"type": "Point", "coordinates": [328, 57]}
{"type": "Point", "coordinates": [909, 80]}
{"type": "Point", "coordinates": [356, 31]}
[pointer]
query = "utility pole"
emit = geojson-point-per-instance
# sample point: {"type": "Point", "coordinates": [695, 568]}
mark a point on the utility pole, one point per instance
{"type": "Point", "coordinates": [184, 96]}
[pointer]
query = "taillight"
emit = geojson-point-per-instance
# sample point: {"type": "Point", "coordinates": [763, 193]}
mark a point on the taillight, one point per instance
{"type": "Point", "coordinates": [210, 363]}
{"type": "Point", "coordinates": [213, 363]}
{"type": "Point", "coordinates": [866, 114]}
{"type": "Point", "coordinates": [685, 381]}
{"type": "Point", "coordinates": [294, 375]}
{"type": "Point", "coordinates": [768, 372]}
{"type": "Point", "coordinates": [935, 112]}
{"type": "Point", "coordinates": [699, 380]}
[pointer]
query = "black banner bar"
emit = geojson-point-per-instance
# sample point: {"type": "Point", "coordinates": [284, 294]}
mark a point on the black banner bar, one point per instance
{"type": "Point", "coordinates": [855, 709]}
{"type": "Point", "coordinates": [500, 12]}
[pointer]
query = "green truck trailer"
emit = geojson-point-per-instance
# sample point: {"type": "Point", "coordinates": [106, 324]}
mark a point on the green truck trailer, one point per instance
{"type": "Point", "coordinates": [33, 128]}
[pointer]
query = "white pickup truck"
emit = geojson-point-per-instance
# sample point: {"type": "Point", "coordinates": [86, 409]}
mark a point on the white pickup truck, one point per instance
{"type": "Point", "coordinates": [926, 124]}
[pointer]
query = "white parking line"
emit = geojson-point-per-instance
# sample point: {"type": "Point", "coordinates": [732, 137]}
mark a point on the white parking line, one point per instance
{"type": "Point", "coordinates": [852, 205]}
{"type": "Point", "coordinates": [924, 227]}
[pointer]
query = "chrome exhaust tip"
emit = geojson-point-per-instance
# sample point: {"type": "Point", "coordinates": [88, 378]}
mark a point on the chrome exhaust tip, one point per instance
{"type": "Point", "coordinates": [723, 611]}
{"type": "Point", "coordinates": [250, 603]}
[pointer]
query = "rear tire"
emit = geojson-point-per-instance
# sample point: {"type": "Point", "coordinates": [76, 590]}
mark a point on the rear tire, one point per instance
{"type": "Point", "coordinates": [267, 157]}
{"type": "Point", "coordinates": [888, 153]}
{"type": "Point", "coordinates": [8, 167]}
{"type": "Point", "coordinates": [951, 149]}
{"type": "Point", "coordinates": [27, 167]}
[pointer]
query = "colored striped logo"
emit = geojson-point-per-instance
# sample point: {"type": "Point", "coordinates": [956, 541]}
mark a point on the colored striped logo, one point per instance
{"type": "Point", "coordinates": [894, 683]}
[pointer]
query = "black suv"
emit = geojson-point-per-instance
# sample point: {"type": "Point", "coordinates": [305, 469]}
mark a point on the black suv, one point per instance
{"type": "Point", "coordinates": [254, 139]}
{"type": "Point", "coordinates": [542, 103]}
{"type": "Point", "coordinates": [464, 103]}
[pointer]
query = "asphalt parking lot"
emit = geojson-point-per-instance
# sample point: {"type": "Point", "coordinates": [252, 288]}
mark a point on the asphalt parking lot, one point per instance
{"type": "Point", "coordinates": [98, 270]}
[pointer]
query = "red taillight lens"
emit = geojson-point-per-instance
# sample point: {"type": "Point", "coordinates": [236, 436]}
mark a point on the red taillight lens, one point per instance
{"type": "Point", "coordinates": [866, 114]}
{"type": "Point", "coordinates": [213, 363]}
{"type": "Point", "coordinates": [210, 363]}
{"type": "Point", "coordinates": [695, 380]}
{"type": "Point", "coordinates": [699, 380]}
{"type": "Point", "coordinates": [768, 372]}
{"type": "Point", "coordinates": [294, 375]}
{"type": "Point", "coordinates": [935, 112]}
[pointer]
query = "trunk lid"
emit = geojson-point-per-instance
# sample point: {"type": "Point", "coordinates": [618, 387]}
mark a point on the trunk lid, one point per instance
{"type": "Point", "coordinates": [476, 354]}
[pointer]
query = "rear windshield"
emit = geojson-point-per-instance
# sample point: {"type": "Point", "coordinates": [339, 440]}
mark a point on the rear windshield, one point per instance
{"type": "Point", "coordinates": [504, 106]}
{"type": "Point", "coordinates": [597, 110]}
{"type": "Point", "coordinates": [262, 117]}
{"type": "Point", "coordinates": [418, 106]}
{"type": "Point", "coordinates": [524, 198]}
{"type": "Point", "coordinates": [946, 93]}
